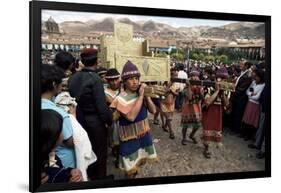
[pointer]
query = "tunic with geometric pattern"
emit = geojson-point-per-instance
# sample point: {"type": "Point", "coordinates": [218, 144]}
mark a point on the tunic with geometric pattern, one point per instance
{"type": "Point", "coordinates": [136, 144]}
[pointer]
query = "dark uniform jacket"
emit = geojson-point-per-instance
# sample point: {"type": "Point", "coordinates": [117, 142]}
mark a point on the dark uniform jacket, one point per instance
{"type": "Point", "coordinates": [241, 87]}
{"type": "Point", "coordinates": [87, 88]}
{"type": "Point", "coordinates": [93, 114]}
{"type": "Point", "coordinates": [239, 100]}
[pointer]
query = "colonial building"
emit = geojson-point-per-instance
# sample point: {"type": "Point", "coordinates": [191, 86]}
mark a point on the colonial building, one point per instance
{"type": "Point", "coordinates": [51, 26]}
{"type": "Point", "coordinates": [160, 45]}
{"type": "Point", "coordinates": [54, 39]}
{"type": "Point", "coordinates": [249, 49]}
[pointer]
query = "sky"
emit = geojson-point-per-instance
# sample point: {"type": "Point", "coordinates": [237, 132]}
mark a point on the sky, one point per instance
{"type": "Point", "coordinates": [61, 16]}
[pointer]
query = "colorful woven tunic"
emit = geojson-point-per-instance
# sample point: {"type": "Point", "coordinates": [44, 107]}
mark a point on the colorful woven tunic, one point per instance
{"type": "Point", "coordinates": [212, 117]}
{"type": "Point", "coordinates": [167, 105]}
{"type": "Point", "coordinates": [191, 110]}
{"type": "Point", "coordinates": [110, 94]}
{"type": "Point", "coordinates": [136, 144]}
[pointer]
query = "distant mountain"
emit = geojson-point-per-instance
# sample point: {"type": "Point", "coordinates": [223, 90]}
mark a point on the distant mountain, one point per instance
{"type": "Point", "coordinates": [240, 25]}
{"type": "Point", "coordinates": [91, 23]}
{"type": "Point", "coordinates": [193, 31]}
{"type": "Point", "coordinates": [248, 30]}
{"type": "Point", "coordinates": [105, 25]}
{"type": "Point", "coordinates": [74, 27]}
{"type": "Point", "coordinates": [151, 28]}
{"type": "Point", "coordinates": [136, 26]}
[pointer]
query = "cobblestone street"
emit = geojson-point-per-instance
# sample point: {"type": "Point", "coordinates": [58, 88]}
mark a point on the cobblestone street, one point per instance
{"type": "Point", "coordinates": [176, 159]}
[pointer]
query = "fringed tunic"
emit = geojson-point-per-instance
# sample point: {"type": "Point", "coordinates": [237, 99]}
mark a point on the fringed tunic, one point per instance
{"type": "Point", "coordinates": [136, 144]}
{"type": "Point", "coordinates": [212, 117]}
{"type": "Point", "coordinates": [191, 110]}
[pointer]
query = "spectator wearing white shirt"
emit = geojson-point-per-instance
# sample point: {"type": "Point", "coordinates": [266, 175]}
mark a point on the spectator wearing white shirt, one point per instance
{"type": "Point", "coordinates": [252, 111]}
{"type": "Point", "coordinates": [83, 149]}
{"type": "Point", "coordinates": [183, 75]}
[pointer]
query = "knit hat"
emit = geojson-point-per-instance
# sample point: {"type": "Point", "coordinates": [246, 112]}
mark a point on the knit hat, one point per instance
{"type": "Point", "coordinates": [130, 70]}
{"type": "Point", "coordinates": [194, 72]}
{"type": "Point", "coordinates": [112, 73]}
{"type": "Point", "coordinates": [222, 73]}
{"type": "Point", "coordinates": [63, 100]}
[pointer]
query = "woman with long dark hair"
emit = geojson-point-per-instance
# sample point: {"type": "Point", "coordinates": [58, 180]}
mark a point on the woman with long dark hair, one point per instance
{"type": "Point", "coordinates": [50, 136]}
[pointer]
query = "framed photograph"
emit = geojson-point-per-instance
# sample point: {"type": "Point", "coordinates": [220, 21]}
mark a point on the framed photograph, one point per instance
{"type": "Point", "coordinates": [129, 96]}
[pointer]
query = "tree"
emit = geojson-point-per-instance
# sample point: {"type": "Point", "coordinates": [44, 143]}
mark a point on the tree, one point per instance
{"type": "Point", "coordinates": [177, 56]}
{"type": "Point", "coordinates": [175, 50]}
{"type": "Point", "coordinates": [201, 56]}
{"type": "Point", "coordinates": [209, 58]}
{"type": "Point", "coordinates": [161, 54]}
{"type": "Point", "coordinates": [194, 56]}
{"type": "Point", "coordinates": [223, 58]}
{"type": "Point", "coordinates": [221, 51]}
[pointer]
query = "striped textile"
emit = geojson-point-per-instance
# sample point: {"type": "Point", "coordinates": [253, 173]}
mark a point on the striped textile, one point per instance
{"type": "Point", "coordinates": [124, 102]}
{"type": "Point", "coordinates": [111, 93]}
{"type": "Point", "coordinates": [136, 152]}
{"type": "Point", "coordinates": [191, 114]}
{"type": "Point", "coordinates": [136, 144]}
{"type": "Point", "coordinates": [130, 129]}
{"type": "Point", "coordinates": [212, 123]}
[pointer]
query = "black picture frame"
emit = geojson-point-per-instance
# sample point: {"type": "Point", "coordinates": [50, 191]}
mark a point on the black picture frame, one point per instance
{"type": "Point", "coordinates": [36, 8]}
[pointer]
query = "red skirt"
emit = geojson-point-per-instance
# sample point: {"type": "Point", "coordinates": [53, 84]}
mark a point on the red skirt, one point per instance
{"type": "Point", "coordinates": [191, 113]}
{"type": "Point", "coordinates": [252, 114]}
{"type": "Point", "coordinates": [212, 123]}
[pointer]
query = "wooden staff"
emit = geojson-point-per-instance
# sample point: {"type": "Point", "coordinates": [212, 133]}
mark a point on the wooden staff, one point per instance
{"type": "Point", "coordinates": [227, 86]}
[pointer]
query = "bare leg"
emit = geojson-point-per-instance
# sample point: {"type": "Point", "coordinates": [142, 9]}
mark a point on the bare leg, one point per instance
{"type": "Point", "coordinates": [192, 137]}
{"type": "Point", "coordinates": [169, 125]}
{"type": "Point", "coordinates": [155, 119]}
{"type": "Point", "coordinates": [206, 152]}
{"type": "Point", "coordinates": [184, 141]}
{"type": "Point", "coordinates": [162, 119]}
{"type": "Point", "coordinates": [164, 122]}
